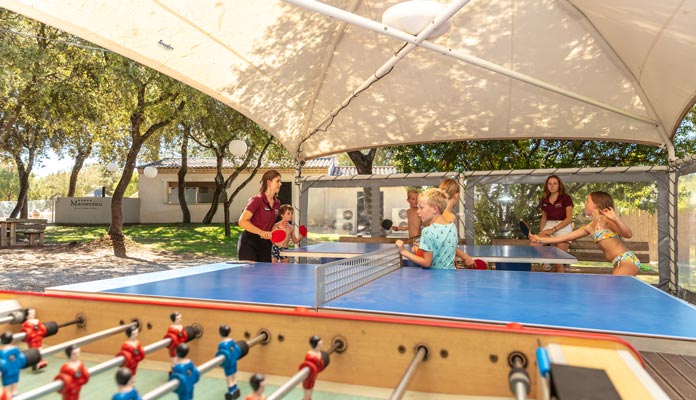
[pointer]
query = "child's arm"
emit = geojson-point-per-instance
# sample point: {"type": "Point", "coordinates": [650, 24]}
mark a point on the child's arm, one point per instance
{"type": "Point", "coordinates": [468, 261]}
{"type": "Point", "coordinates": [619, 226]}
{"type": "Point", "coordinates": [295, 238]}
{"type": "Point", "coordinates": [576, 234]}
{"type": "Point", "coordinates": [426, 261]}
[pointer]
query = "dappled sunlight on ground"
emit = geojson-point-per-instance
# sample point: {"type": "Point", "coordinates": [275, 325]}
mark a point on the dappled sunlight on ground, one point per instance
{"type": "Point", "coordinates": [35, 268]}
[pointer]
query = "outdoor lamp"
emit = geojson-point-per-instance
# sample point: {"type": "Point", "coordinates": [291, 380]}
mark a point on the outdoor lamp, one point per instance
{"type": "Point", "coordinates": [238, 148]}
{"type": "Point", "coordinates": [150, 172]}
{"type": "Point", "coordinates": [112, 166]}
{"type": "Point", "coordinates": [413, 16]}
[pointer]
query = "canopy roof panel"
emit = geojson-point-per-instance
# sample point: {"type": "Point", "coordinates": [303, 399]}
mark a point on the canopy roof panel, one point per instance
{"type": "Point", "coordinates": [566, 69]}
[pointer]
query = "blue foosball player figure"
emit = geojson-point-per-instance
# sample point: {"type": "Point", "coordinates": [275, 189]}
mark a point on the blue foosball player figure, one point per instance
{"type": "Point", "coordinates": [185, 372]}
{"type": "Point", "coordinates": [125, 379]}
{"type": "Point", "coordinates": [232, 352]}
{"type": "Point", "coordinates": [11, 361]}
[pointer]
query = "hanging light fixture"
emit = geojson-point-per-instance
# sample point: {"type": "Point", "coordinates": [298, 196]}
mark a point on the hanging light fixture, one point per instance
{"type": "Point", "coordinates": [238, 148]}
{"type": "Point", "coordinates": [150, 172]}
{"type": "Point", "coordinates": [413, 16]}
{"type": "Point", "coordinates": [112, 167]}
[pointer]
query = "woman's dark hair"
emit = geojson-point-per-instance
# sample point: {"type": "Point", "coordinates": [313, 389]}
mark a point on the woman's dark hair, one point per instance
{"type": "Point", "coordinates": [268, 176]}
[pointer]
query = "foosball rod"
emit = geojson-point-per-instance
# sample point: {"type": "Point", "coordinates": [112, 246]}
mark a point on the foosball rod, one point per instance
{"type": "Point", "coordinates": [52, 327]}
{"type": "Point", "coordinates": [13, 318]}
{"type": "Point", "coordinates": [173, 384]}
{"type": "Point", "coordinates": [88, 339]}
{"type": "Point", "coordinates": [400, 390]}
{"type": "Point", "coordinates": [57, 385]}
{"type": "Point", "coordinates": [301, 375]}
{"type": "Point", "coordinates": [94, 370]}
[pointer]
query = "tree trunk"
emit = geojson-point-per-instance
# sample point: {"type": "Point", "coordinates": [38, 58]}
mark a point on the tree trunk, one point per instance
{"type": "Point", "coordinates": [77, 167]}
{"type": "Point", "coordinates": [23, 171]}
{"type": "Point", "coordinates": [181, 175]}
{"type": "Point", "coordinates": [116, 228]}
{"type": "Point", "coordinates": [363, 163]}
{"type": "Point", "coordinates": [219, 193]}
{"type": "Point", "coordinates": [235, 174]}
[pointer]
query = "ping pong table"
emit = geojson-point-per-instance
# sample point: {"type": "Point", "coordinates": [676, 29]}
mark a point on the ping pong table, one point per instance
{"type": "Point", "coordinates": [495, 253]}
{"type": "Point", "coordinates": [596, 303]}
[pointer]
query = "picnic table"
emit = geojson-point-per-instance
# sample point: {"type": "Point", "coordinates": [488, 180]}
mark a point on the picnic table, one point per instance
{"type": "Point", "coordinates": [11, 229]}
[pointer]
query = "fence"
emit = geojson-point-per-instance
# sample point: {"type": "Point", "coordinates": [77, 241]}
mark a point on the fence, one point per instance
{"type": "Point", "coordinates": [43, 209]}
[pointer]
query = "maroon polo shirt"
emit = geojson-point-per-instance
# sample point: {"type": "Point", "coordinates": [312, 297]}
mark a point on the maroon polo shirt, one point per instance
{"type": "Point", "coordinates": [556, 211]}
{"type": "Point", "coordinates": [264, 215]}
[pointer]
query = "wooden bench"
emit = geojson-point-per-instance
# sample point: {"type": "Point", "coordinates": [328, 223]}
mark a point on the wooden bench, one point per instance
{"type": "Point", "coordinates": [586, 250]}
{"type": "Point", "coordinates": [32, 229]}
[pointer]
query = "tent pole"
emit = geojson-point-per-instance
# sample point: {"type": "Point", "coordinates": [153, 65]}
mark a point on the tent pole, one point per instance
{"type": "Point", "coordinates": [369, 24]}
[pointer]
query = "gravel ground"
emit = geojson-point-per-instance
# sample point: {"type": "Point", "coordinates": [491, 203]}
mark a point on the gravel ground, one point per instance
{"type": "Point", "coordinates": [26, 268]}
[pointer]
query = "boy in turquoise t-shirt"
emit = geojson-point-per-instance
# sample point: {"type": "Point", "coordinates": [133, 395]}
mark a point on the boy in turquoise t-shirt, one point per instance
{"type": "Point", "coordinates": [439, 239]}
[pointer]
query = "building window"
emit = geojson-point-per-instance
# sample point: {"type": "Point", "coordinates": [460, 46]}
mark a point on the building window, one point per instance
{"type": "Point", "coordinates": [196, 192]}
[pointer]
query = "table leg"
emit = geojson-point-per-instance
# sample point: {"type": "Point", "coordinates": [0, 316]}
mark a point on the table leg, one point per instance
{"type": "Point", "coordinates": [13, 234]}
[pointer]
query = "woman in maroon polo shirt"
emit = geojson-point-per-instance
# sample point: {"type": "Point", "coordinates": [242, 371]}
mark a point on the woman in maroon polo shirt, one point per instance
{"type": "Point", "coordinates": [556, 212]}
{"type": "Point", "coordinates": [258, 218]}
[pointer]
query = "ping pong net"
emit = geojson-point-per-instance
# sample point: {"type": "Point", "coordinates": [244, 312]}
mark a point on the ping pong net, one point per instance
{"type": "Point", "coordinates": [337, 278]}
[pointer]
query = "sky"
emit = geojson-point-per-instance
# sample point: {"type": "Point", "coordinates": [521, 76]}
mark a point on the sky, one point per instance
{"type": "Point", "coordinates": [53, 164]}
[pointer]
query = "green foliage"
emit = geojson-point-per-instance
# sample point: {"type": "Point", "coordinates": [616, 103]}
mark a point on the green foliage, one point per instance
{"type": "Point", "coordinates": [91, 177]}
{"type": "Point", "coordinates": [9, 183]}
{"type": "Point", "coordinates": [195, 239]}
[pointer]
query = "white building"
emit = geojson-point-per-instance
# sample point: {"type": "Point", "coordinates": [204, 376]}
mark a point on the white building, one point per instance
{"type": "Point", "coordinates": [159, 195]}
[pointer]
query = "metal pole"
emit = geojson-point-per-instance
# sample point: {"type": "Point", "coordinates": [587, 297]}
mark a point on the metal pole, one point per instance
{"type": "Point", "coordinates": [95, 370]}
{"type": "Point", "coordinates": [203, 368]}
{"type": "Point", "coordinates": [418, 40]}
{"type": "Point", "coordinates": [86, 339]}
{"type": "Point", "coordinates": [77, 321]}
{"type": "Point", "coordinates": [301, 375]}
{"type": "Point", "coordinates": [421, 354]}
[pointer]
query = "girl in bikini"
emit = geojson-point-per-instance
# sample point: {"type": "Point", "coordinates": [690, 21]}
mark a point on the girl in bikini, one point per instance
{"type": "Point", "coordinates": [606, 229]}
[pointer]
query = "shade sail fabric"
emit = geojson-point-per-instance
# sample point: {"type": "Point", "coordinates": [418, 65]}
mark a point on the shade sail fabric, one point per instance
{"type": "Point", "coordinates": [289, 68]}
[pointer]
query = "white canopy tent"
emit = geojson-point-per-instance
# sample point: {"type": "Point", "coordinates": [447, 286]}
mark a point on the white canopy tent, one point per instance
{"type": "Point", "coordinates": [329, 77]}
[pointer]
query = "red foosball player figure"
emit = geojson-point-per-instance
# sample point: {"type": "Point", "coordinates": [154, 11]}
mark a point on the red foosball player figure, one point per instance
{"type": "Point", "coordinates": [258, 385]}
{"type": "Point", "coordinates": [316, 360]}
{"type": "Point", "coordinates": [176, 333]}
{"type": "Point", "coordinates": [73, 373]}
{"type": "Point", "coordinates": [35, 332]}
{"type": "Point", "coordinates": [131, 350]}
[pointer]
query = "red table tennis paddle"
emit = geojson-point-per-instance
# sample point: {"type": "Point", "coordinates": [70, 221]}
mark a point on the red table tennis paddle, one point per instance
{"type": "Point", "coordinates": [303, 230]}
{"type": "Point", "coordinates": [524, 228]}
{"type": "Point", "coordinates": [278, 236]}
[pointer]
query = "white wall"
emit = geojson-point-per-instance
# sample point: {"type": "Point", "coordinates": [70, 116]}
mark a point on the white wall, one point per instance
{"type": "Point", "coordinates": [322, 202]}
{"type": "Point", "coordinates": [154, 208]}
{"type": "Point", "coordinates": [93, 210]}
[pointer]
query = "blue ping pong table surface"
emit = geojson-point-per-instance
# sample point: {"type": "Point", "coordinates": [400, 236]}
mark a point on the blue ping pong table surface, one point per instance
{"type": "Point", "coordinates": [598, 303]}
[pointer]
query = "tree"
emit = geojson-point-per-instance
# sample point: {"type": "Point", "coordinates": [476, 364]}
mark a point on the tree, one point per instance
{"type": "Point", "coordinates": [363, 163]}
{"type": "Point", "coordinates": [152, 102]}
{"type": "Point", "coordinates": [35, 71]}
{"type": "Point", "coordinates": [9, 184]}
{"type": "Point", "coordinates": [215, 128]}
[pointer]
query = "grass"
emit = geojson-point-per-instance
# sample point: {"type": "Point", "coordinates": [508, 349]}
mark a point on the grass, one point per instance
{"type": "Point", "coordinates": [196, 239]}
